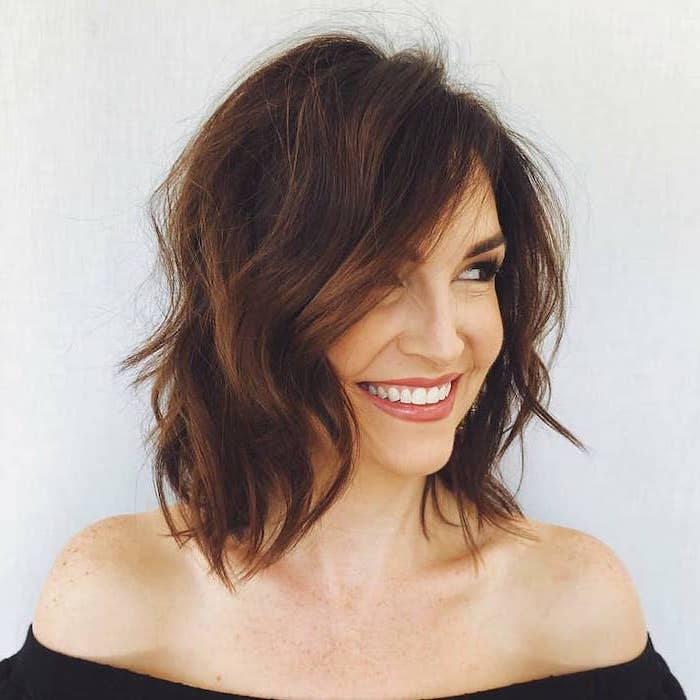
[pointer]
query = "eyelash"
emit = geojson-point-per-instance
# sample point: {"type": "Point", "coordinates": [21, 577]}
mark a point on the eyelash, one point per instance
{"type": "Point", "coordinates": [490, 267]}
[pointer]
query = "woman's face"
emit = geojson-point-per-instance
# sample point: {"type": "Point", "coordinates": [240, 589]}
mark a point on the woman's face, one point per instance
{"type": "Point", "coordinates": [444, 319]}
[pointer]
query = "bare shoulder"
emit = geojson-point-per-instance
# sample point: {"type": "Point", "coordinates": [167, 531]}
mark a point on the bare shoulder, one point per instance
{"type": "Point", "coordinates": [93, 600]}
{"type": "Point", "coordinates": [588, 612]}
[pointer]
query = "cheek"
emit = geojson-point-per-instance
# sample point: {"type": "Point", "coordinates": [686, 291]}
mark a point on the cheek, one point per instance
{"type": "Point", "coordinates": [481, 325]}
{"type": "Point", "coordinates": [483, 330]}
{"type": "Point", "coordinates": [350, 353]}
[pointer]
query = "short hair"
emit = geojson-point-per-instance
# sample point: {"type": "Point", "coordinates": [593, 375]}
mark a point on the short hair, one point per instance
{"type": "Point", "coordinates": [283, 222]}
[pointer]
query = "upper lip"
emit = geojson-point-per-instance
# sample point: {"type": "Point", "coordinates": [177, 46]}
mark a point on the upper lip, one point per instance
{"type": "Point", "coordinates": [418, 381]}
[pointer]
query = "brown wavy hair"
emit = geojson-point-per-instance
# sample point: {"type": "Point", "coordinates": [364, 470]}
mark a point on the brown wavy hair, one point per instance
{"type": "Point", "coordinates": [287, 216]}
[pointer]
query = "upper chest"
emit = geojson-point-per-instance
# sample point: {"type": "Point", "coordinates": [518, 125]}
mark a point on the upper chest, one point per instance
{"type": "Point", "coordinates": [433, 640]}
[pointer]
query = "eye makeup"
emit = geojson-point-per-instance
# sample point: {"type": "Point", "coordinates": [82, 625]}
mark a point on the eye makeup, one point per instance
{"type": "Point", "coordinates": [490, 267]}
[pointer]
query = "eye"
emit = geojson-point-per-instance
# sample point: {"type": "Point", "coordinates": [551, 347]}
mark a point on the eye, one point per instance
{"type": "Point", "coordinates": [490, 268]}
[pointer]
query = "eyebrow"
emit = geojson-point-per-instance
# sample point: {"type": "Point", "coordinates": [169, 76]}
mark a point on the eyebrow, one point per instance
{"type": "Point", "coordinates": [485, 245]}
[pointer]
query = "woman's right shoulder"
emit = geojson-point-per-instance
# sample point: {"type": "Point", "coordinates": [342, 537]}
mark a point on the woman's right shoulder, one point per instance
{"type": "Point", "coordinates": [97, 599]}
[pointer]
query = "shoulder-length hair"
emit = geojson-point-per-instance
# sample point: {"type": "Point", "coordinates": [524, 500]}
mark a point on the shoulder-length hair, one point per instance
{"type": "Point", "coordinates": [283, 221]}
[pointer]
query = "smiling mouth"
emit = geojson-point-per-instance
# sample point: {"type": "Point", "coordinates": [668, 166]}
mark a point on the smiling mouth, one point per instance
{"type": "Point", "coordinates": [392, 394]}
{"type": "Point", "coordinates": [365, 387]}
{"type": "Point", "coordinates": [390, 403]}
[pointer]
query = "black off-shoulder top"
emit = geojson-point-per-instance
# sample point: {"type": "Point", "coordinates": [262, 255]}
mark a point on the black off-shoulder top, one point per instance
{"type": "Point", "coordinates": [36, 672]}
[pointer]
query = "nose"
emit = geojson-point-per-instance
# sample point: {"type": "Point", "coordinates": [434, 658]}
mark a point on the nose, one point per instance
{"type": "Point", "coordinates": [433, 332]}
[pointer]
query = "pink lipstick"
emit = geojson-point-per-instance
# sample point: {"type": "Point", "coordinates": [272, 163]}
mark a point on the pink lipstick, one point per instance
{"type": "Point", "coordinates": [415, 412]}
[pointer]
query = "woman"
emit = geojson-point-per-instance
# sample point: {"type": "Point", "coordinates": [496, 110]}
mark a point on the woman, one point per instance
{"type": "Point", "coordinates": [363, 260]}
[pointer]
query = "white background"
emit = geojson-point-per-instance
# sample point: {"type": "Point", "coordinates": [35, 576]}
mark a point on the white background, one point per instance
{"type": "Point", "coordinates": [97, 100]}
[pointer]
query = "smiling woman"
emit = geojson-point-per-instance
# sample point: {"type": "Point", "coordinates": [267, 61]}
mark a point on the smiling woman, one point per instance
{"type": "Point", "coordinates": [363, 261]}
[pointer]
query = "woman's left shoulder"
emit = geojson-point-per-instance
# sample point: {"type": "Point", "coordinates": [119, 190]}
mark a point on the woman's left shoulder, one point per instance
{"type": "Point", "coordinates": [588, 600]}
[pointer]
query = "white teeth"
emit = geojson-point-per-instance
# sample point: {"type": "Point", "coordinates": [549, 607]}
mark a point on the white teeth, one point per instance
{"type": "Point", "coordinates": [419, 395]}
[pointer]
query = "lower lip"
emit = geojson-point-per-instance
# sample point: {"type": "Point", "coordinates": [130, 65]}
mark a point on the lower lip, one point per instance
{"type": "Point", "coordinates": [415, 412]}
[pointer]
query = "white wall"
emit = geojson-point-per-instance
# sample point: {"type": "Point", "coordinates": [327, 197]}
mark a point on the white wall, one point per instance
{"type": "Point", "coordinates": [98, 98]}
